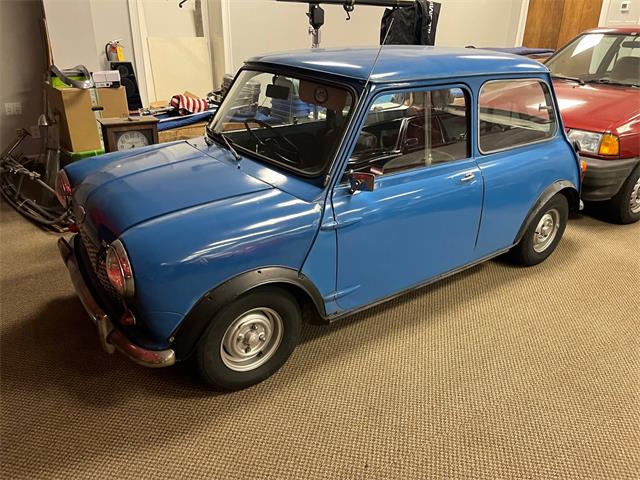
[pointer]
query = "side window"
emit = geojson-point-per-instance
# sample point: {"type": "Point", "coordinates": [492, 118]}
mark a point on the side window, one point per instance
{"type": "Point", "coordinates": [416, 129]}
{"type": "Point", "coordinates": [514, 113]}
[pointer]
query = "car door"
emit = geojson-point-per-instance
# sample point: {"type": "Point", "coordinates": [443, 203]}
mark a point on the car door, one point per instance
{"type": "Point", "coordinates": [422, 218]}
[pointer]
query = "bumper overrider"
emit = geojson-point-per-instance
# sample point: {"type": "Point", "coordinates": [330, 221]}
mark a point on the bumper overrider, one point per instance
{"type": "Point", "coordinates": [110, 337]}
{"type": "Point", "coordinates": [604, 178]}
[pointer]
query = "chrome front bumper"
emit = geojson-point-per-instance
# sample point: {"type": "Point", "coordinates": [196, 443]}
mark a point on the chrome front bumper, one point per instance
{"type": "Point", "coordinates": [110, 337]}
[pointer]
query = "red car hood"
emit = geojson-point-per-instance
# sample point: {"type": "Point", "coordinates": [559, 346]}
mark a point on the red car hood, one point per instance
{"type": "Point", "coordinates": [596, 108]}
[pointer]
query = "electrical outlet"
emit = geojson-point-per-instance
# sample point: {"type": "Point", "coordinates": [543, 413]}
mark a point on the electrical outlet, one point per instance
{"type": "Point", "coordinates": [34, 130]}
{"type": "Point", "coordinates": [13, 108]}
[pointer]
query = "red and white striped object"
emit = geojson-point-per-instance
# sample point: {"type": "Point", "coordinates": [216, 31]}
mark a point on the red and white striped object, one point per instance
{"type": "Point", "coordinates": [186, 105]}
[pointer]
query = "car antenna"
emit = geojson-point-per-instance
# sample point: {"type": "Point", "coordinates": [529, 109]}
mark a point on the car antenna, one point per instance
{"type": "Point", "coordinates": [368, 81]}
{"type": "Point", "coordinates": [375, 61]}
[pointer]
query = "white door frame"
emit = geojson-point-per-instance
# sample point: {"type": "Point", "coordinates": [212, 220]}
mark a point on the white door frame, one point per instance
{"type": "Point", "coordinates": [220, 38]}
{"type": "Point", "coordinates": [141, 51]}
{"type": "Point", "coordinates": [522, 22]}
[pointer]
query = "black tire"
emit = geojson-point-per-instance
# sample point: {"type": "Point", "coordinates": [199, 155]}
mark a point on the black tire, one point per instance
{"type": "Point", "coordinates": [526, 252]}
{"type": "Point", "coordinates": [619, 207]}
{"type": "Point", "coordinates": [215, 370]}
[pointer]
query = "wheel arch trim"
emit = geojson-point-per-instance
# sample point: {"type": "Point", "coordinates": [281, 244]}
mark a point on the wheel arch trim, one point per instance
{"type": "Point", "coordinates": [187, 334]}
{"type": "Point", "coordinates": [545, 196]}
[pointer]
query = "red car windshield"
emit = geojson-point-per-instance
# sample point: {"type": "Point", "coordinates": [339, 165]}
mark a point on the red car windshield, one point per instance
{"type": "Point", "coordinates": [599, 58]}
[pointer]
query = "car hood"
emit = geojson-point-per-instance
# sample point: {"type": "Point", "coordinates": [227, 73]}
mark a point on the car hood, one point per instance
{"type": "Point", "coordinates": [596, 108]}
{"type": "Point", "coordinates": [120, 190]}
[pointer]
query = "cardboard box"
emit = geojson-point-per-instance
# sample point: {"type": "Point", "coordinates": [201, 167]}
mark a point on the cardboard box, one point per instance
{"type": "Point", "coordinates": [113, 101]}
{"type": "Point", "coordinates": [182, 133]}
{"type": "Point", "coordinates": [78, 111]}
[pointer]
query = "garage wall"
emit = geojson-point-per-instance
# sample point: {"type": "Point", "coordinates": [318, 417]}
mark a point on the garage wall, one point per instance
{"type": "Point", "coordinates": [612, 16]}
{"type": "Point", "coordinates": [22, 65]}
{"type": "Point", "coordinates": [79, 30]}
{"type": "Point", "coordinates": [253, 27]}
{"type": "Point", "coordinates": [110, 20]}
{"type": "Point", "coordinates": [163, 18]}
{"type": "Point", "coordinates": [483, 23]}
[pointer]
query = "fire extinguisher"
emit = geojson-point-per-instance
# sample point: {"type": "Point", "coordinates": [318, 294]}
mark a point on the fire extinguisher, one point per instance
{"type": "Point", "coordinates": [114, 51]}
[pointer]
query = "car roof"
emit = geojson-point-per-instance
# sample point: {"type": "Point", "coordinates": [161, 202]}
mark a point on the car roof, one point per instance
{"type": "Point", "coordinates": [627, 30]}
{"type": "Point", "coordinates": [403, 63]}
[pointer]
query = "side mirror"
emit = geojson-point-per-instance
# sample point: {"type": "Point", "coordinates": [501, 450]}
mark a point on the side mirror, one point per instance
{"type": "Point", "coordinates": [361, 181]}
{"type": "Point", "coordinates": [576, 146]}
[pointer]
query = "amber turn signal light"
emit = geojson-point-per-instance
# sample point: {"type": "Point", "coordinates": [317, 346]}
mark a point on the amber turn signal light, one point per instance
{"type": "Point", "coordinates": [610, 145]}
{"type": "Point", "coordinates": [583, 166]}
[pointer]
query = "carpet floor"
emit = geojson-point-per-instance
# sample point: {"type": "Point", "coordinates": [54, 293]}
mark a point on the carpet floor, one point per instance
{"type": "Point", "coordinates": [496, 373]}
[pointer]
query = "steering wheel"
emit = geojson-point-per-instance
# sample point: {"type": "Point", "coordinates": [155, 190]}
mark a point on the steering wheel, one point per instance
{"type": "Point", "coordinates": [275, 143]}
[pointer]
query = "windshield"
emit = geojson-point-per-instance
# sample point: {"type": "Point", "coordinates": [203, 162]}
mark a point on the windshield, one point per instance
{"type": "Point", "coordinates": [291, 122]}
{"type": "Point", "coordinates": [599, 57]}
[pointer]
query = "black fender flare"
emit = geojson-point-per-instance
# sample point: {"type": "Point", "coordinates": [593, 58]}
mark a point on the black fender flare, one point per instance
{"type": "Point", "coordinates": [544, 197]}
{"type": "Point", "coordinates": [186, 336]}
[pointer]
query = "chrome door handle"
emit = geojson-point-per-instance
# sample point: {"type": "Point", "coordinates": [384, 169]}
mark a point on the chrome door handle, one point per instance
{"type": "Point", "coordinates": [469, 176]}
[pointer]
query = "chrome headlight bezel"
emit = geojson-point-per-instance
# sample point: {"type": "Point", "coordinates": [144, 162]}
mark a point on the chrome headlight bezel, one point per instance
{"type": "Point", "coordinates": [119, 270]}
{"type": "Point", "coordinates": [63, 189]}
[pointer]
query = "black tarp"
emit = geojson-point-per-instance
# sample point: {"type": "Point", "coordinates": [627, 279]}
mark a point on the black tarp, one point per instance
{"type": "Point", "coordinates": [415, 25]}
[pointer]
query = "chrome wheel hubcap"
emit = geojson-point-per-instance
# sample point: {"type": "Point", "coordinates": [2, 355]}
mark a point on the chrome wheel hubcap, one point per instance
{"type": "Point", "coordinates": [546, 230]}
{"type": "Point", "coordinates": [251, 339]}
{"type": "Point", "coordinates": [634, 201]}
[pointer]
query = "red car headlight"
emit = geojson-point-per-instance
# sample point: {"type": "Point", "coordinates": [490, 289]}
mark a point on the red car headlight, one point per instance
{"type": "Point", "coordinates": [63, 189]}
{"type": "Point", "coordinates": [119, 270]}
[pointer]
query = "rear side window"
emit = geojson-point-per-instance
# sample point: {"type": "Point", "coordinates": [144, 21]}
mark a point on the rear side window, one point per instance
{"type": "Point", "coordinates": [514, 113]}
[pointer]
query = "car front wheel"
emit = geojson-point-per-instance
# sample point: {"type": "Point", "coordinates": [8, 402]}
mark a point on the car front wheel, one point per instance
{"type": "Point", "coordinates": [250, 339]}
{"type": "Point", "coordinates": [625, 206]}
{"type": "Point", "coordinates": [544, 232]}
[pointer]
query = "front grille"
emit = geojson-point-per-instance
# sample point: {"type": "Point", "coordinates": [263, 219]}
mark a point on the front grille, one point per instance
{"type": "Point", "coordinates": [96, 256]}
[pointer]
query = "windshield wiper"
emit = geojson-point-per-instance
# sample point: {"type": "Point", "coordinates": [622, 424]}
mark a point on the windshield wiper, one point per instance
{"type": "Point", "coordinates": [228, 143]}
{"type": "Point", "coordinates": [571, 79]}
{"type": "Point", "coordinates": [606, 81]}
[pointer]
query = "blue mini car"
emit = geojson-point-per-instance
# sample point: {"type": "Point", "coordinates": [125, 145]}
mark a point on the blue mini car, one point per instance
{"type": "Point", "coordinates": [328, 181]}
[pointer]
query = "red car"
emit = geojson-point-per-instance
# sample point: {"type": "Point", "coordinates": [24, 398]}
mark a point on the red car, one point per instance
{"type": "Point", "coordinates": [597, 81]}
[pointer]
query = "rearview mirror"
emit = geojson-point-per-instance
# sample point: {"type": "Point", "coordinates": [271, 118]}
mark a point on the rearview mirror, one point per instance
{"type": "Point", "coordinates": [277, 91]}
{"type": "Point", "coordinates": [361, 181]}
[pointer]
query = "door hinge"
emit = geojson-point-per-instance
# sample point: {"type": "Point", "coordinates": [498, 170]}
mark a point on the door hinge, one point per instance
{"type": "Point", "coordinates": [334, 225]}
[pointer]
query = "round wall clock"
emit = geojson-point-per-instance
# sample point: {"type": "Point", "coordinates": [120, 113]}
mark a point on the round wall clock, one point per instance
{"type": "Point", "coordinates": [132, 139]}
{"type": "Point", "coordinates": [126, 133]}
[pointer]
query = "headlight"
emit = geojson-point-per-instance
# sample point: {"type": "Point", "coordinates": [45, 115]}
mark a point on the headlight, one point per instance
{"type": "Point", "coordinates": [596, 143]}
{"type": "Point", "coordinates": [589, 141]}
{"type": "Point", "coordinates": [119, 270]}
{"type": "Point", "coordinates": [63, 189]}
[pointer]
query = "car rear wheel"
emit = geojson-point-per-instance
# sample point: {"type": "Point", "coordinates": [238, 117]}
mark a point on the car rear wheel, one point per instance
{"type": "Point", "coordinates": [544, 233]}
{"type": "Point", "coordinates": [624, 207]}
{"type": "Point", "coordinates": [250, 339]}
